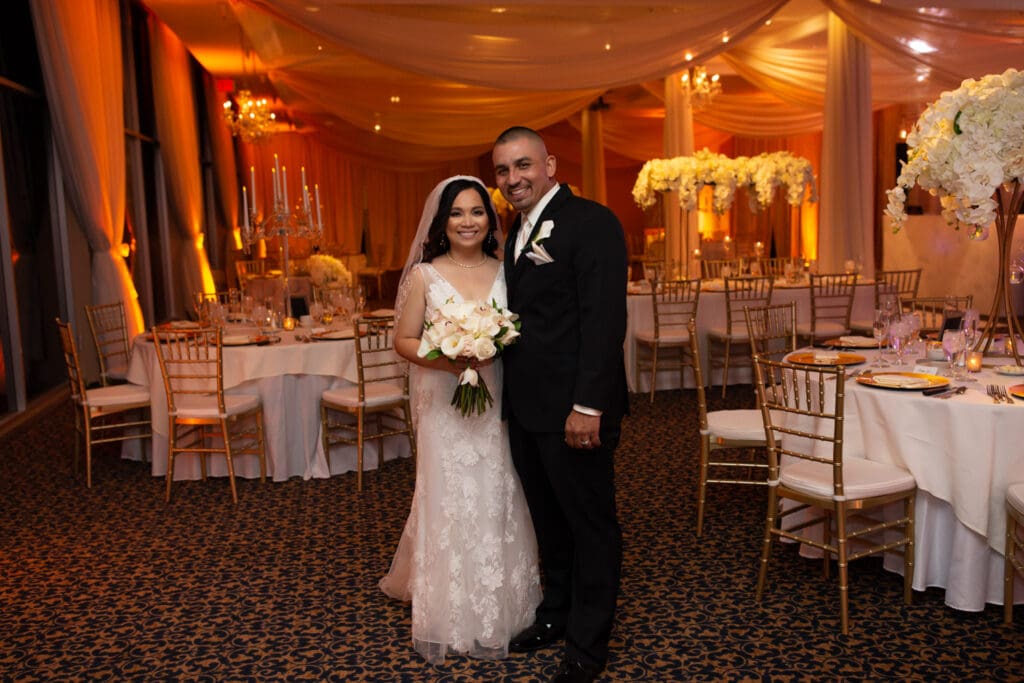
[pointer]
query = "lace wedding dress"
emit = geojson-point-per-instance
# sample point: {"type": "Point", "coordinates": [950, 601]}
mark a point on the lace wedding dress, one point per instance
{"type": "Point", "coordinates": [467, 558]}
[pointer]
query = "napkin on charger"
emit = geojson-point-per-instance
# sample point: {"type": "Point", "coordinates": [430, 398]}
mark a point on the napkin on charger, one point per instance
{"type": "Point", "coordinates": [826, 356]}
{"type": "Point", "coordinates": [855, 340]}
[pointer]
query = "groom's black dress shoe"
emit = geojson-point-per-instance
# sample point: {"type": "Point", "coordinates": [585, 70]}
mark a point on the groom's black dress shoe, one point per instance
{"type": "Point", "coordinates": [536, 637]}
{"type": "Point", "coordinates": [572, 670]}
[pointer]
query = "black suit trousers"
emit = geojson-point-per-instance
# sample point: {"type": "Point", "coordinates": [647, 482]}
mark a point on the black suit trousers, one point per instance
{"type": "Point", "coordinates": [571, 494]}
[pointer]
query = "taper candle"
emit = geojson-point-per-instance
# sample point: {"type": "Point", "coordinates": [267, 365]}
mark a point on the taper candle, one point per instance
{"type": "Point", "coordinates": [319, 219]}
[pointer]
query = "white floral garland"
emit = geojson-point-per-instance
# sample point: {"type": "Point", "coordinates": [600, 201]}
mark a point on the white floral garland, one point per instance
{"type": "Point", "coordinates": [761, 175]}
{"type": "Point", "coordinates": [964, 146]}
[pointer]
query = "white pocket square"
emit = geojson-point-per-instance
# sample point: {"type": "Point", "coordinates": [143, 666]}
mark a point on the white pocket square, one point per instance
{"type": "Point", "coordinates": [539, 255]}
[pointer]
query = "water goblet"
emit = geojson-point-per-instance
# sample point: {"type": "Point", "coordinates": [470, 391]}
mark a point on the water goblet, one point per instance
{"type": "Point", "coordinates": [360, 300]}
{"type": "Point", "coordinates": [953, 347]}
{"type": "Point", "coordinates": [899, 335]}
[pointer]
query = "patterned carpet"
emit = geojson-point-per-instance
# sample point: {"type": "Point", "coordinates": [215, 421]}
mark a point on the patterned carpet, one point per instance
{"type": "Point", "coordinates": [112, 584]}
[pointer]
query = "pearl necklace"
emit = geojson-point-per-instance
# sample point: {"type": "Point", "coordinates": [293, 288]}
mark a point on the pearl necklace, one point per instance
{"type": "Point", "coordinates": [460, 264]}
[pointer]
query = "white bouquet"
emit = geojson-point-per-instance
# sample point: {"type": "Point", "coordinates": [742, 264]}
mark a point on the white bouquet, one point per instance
{"type": "Point", "coordinates": [464, 333]}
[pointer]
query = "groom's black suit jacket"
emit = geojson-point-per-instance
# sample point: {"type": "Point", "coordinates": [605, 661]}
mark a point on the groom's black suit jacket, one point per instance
{"type": "Point", "coordinates": [573, 314]}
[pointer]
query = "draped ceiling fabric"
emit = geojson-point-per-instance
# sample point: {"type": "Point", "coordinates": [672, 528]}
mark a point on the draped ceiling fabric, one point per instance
{"type": "Point", "coordinates": [414, 87]}
{"type": "Point", "coordinates": [80, 52]}
{"type": "Point", "coordinates": [177, 131]}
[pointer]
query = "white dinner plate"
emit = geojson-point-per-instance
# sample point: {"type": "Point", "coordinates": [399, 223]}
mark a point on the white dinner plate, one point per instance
{"type": "Point", "coordinates": [1011, 370]}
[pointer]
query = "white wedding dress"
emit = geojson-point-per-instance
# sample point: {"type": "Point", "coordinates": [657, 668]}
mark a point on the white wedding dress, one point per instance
{"type": "Point", "coordinates": [468, 556]}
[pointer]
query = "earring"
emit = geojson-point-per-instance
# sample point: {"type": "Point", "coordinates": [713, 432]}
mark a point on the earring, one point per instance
{"type": "Point", "coordinates": [443, 242]}
{"type": "Point", "coordinates": [490, 242]}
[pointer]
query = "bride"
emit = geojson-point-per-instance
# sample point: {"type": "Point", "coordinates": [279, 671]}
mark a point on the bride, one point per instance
{"type": "Point", "coordinates": [467, 558]}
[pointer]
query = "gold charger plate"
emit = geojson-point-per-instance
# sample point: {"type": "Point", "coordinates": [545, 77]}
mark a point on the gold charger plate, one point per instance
{"type": "Point", "coordinates": [333, 335]}
{"type": "Point", "coordinates": [1017, 391]}
{"type": "Point", "coordinates": [840, 358]}
{"type": "Point", "coordinates": [903, 381]}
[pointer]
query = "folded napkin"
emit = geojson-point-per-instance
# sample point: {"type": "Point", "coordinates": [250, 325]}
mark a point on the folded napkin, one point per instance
{"type": "Point", "coordinates": [854, 340]}
{"type": "Point", "coordinates": [901, 381]}
{"type": "Point", "coordinates": [826, 356]}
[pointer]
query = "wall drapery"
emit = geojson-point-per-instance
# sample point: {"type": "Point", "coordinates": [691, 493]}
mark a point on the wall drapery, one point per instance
{"type": "Point", "coordinates": [80, 53]}
{"type": "Point", "coordinates": [177, 129]}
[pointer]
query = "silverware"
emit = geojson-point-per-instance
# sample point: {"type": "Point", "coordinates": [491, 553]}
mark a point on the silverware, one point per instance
{"type": "Point", "coordinates": [991, 391]}
{"type": "Point", "coordinates": [1005, 396]}
{"type": "Point", "coordinates": [952, 392]}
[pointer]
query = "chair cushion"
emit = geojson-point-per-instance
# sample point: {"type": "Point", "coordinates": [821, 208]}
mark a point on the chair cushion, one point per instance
{"type": "Point", "coordinates": [206, 406]}
{"type": "Point", "coordinates": [376, 394]}
{"type": "Point", "coordinates": [115, 395]}
{"type": "Point", "coordinates": [671, 336]}
{"type": "Point", "coordinates": [861, 478]}
{"type": "Point", "coordinates": [1015, 497]}
{"type": "Point", "coordinates": [736, 425]}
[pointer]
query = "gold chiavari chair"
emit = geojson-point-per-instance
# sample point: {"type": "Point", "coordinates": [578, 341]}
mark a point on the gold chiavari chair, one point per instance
{"type": "Point", "coordinates": [379, 401]}
{"type": "Point", "coordinates": [106, 414]}
{"type": "Point", "coordinates": [725, 430]}
{"type": "Point", "coordinates": [902, 284]}
{"type": "Point", "coordinates": [727, 345]}
{"type": "Point", "coordinates": [246, 270]}
{"type": "Point", "coordinates": [110, 336]}
{"type": "Point", "coordinates": [674, 303]}
{"type": "Point", "coordinates": [202, 419]}
{"type": "Point", "coordinates": [931, 310]}
{"type": "Point", "coordinates": [831, 305]}
{"type": "Point", "coordinates": [776, 266]}
{"type": "Point", "coordinates": [1014, 550]}
{"type": "Point", "coordinates": [803, 412]}
{"type": "Point", "coordinates": [772, 330]}
{"type": "Point", "coordinates": [716, 269]}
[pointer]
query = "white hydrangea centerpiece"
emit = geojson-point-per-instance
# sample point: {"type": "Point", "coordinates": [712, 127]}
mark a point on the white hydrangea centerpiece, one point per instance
{"type": "Point", "coordinates": [760, 175]}
{"type": "Point", "coordinates": [964, 148]}
{"type": "Point", "coordinates": [325, 270]}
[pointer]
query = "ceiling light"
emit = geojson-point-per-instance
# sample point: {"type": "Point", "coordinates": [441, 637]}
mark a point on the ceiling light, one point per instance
{"type": "Point", "coordinates": [702, 88]}
{"type": "Point", "coordinates": [920, 47]}
{"type": "Point", "coordinates": [249, 117]}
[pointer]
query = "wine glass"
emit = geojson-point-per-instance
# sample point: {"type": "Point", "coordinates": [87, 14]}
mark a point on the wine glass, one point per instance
{"type": "Point", "coordinates": [880, 330]}
{"type": "Point", "coordinates": [953, 347]}
{"type": "Point", "coordinates": [360, 300]}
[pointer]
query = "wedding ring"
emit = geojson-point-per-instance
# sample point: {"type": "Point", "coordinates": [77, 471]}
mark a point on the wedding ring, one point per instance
{"type": "Point", "coordinates": [585, 442]}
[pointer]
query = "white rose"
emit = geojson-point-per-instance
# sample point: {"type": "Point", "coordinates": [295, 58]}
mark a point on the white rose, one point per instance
{"type": "Point", "coordinates": [425, 347]}
{"type": "Point", "coordinates": [484, 348]}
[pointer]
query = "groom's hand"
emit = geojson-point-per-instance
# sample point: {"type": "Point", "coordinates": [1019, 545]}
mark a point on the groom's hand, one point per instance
{"type": "Point", "coordinates": [582, 431]}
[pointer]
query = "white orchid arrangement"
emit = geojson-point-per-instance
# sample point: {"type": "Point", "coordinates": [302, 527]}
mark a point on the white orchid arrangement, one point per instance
{"type": "Point", "coordinates": [464, 332]}
{"type": "Point", "coordinates": [325, 270]}
{"type": "Point", "coordinates": [963, 148]}
{"type": "Point", "coordinates": [761, 175]}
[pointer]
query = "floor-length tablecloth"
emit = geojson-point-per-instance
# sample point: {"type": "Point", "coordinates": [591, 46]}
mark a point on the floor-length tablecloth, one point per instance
{"type": "Point", "coordinates": [288, 377]}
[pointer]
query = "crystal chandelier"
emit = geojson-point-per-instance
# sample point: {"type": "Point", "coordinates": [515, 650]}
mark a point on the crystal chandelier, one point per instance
{"type": "Point", "coordinates": [251, 119]}
{"type": "Point", "coordinates": [702, 88]}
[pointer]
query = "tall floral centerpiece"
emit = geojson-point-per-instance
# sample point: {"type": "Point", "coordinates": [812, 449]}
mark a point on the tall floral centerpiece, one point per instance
{"type": "Point", "coordinates": [326, 272]}
{"type": "Point", "coordinates": [968, 148]}
{"type": "Point", "coordinates": [760, 175]}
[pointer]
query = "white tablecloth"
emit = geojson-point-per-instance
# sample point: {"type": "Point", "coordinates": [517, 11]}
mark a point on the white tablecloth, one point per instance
{"type": "Point", "coordinates": [710, 314]}
{"type": "Point", "coordinates": [288, 377]}
{"type": "Point", "coordinates": [964, 452]}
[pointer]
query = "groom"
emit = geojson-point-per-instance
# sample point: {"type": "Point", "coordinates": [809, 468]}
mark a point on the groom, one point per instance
{"type": "Point", "coordinates": [565, 395]}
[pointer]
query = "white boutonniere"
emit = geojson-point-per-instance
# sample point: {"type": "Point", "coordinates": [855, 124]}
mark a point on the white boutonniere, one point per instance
{"type": "Point", "coordinates": [538, 254]}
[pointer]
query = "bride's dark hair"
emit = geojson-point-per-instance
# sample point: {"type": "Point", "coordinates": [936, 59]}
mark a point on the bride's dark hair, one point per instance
{"type": "Point", "coordinates": [437, 238]}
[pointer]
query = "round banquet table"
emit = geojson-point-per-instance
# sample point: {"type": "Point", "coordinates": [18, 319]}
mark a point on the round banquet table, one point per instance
{"type": "Point", "coordinates": [289, 377]}
{"type": "Point", "coordinates": [964, 452]}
